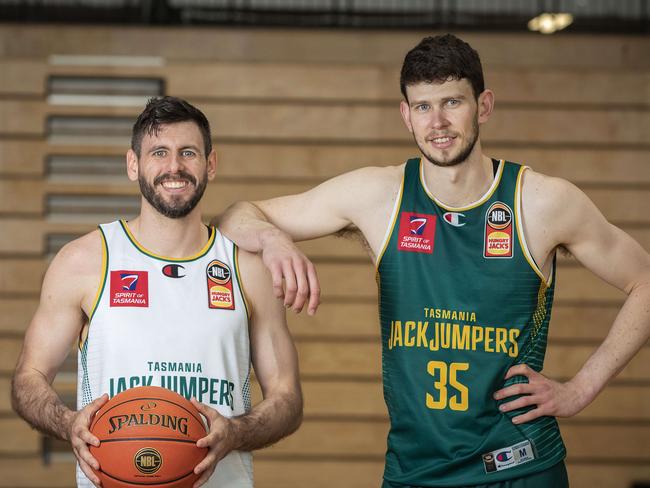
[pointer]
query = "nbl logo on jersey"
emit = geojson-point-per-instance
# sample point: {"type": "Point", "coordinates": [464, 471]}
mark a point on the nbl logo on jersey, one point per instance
{"type": "Point", "coordinates": [416, 232]}
{"type": "Point", "coordinates": [498, 231]}
{"type": "Point", "coordinates": [129, 289]}
{"type": "Point", "coordinates": [219, 278]}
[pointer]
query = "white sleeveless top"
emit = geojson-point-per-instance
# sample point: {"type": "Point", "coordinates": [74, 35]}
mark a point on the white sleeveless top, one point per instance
{"type": "Point", "coordinates": [177, 323]}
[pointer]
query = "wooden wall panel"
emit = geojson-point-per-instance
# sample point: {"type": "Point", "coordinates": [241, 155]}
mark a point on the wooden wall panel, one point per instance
{"type": "Point", "coordinates": [24, 440]}
{"type": "Point", "coordinates": [325, 113]}
{"type": "Point", "coordinates": [313, 163]}
{"type": "Point", "coordinates": [33, 473]}
{"type": "Point", "coordinates": [341, 122]}
{"type": "Point", "coordinates": [337, 82]}
{"type": "Point", "coordinates": [16, 314]}
{"type": "Point", "coordinates": [5, 396]}
{"type": "Point", "coordinates": [317, 46]}
{"type": "Point", "coordinates": [21, 276]}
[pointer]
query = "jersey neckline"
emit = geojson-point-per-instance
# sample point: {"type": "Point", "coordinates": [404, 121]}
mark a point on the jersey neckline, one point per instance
{"type": "Point", "coordinates": [151, 254]}
{"type": "Point", "coordinates": [486, 196]}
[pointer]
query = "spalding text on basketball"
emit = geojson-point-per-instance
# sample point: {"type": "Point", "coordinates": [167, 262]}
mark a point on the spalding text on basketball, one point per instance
{"type": "Point", "coordinates": [178, 424]}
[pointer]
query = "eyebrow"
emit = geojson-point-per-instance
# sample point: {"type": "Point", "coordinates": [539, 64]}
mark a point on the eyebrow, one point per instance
{"type": "Point", "coordinates": [162, 146]}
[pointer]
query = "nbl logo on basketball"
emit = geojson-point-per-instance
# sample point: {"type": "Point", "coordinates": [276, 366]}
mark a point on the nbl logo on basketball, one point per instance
{"type": "Point", "coordinates": [147, 460]}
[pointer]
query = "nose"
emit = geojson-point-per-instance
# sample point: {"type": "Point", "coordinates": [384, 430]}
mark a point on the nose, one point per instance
{"type": "Point", "coordinates": [175, 163]}
{"type": "Point", "coordinates": [438, 119]}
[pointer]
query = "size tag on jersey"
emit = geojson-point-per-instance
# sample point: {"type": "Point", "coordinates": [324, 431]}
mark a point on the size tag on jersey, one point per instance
{"type": "Point", "coordinates": [508, 457]}
{"type": "Point", "coordinates": [417, 232]}
{"type": "Point", "coordinates": [498, 231]}
{"type": "Point", "coordinates": [219, 279]}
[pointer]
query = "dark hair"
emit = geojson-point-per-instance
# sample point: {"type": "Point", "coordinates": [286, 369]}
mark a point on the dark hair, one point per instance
{"type": "Point", "coordinates": [168, 110]}
{"type": "Point", "coordinates": [441, 58]}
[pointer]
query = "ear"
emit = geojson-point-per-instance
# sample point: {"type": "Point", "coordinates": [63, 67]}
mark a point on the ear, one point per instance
{"type": "Point", "coordinates": [405, 110]}
{"type": "Point", "coordinates": [212, 164]}
{"type": "Point", "coordinates": [485, 105]}
{"type": "Point", "coordinates": [132, 169]}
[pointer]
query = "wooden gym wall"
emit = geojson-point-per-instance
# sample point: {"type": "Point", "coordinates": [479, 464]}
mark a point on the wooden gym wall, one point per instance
{"type": "Point", "coordinates": [289, 109]}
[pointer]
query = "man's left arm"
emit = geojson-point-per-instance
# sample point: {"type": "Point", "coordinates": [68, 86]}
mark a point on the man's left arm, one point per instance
{"type": "Point", "coordinates": [275, 361]}
{"type": "Point", "coordinates": [616, 258]}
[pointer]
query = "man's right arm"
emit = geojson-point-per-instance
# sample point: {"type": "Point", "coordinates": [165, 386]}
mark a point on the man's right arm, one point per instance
{"type": "Point", "coordinates": [362, 199]}
{"type": "Point", "coordinates": [56, 325]}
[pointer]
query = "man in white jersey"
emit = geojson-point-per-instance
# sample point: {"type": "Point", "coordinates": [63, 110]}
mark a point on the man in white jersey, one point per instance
{"type": "Point", "coordinates": [444, 105]}
{"type": "Point", "coordinates": [160, 301]}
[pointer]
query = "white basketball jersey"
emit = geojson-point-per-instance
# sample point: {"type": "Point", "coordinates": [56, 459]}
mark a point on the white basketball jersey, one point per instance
{"type": "Point", "coordinates": [181, 324]}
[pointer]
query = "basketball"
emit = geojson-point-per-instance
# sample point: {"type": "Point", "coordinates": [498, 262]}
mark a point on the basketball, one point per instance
{"type": "Point", "coordinates": [148, 438]}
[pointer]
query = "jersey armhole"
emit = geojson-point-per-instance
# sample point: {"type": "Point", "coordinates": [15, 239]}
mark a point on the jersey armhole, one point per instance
{"type": "Point", "coordinates": [242, 292]}
{"type": "Point", "coordinates": [392, 220]}
{"type": "Point", "coordinates": [83, 335]}
{"type": "Point", "coordinates": [519, 224]}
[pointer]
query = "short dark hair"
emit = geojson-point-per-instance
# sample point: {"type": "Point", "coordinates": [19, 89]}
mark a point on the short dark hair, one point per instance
{"type": "Point", "coordinates": [441, 58]}
{"type": "Point", "coordinates": [168, 110]}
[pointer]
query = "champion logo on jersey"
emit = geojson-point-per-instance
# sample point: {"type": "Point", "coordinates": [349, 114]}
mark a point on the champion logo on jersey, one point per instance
{"type": "Point", "coordinates": [219, 278]}
{"type": "Point", "coordinates": [498, 231]}
{"type": "Point", "coordinates": [173, 270]}
{"type": "Point", "coordinates": [454, 218]}
{"type": "Point", "coordinates": [416, 232]}
{"type": "Point", "coordinates": [504, 456]}
{"type": "Point", "coordinates": [508, 457]}
{"type": "Point", "coordinates": [129, 289]}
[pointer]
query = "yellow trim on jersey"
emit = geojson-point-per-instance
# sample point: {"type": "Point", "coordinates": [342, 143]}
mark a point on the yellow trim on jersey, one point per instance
{"type": "Point", "coordinates": [520, 231]}
{"type": "Point", "coordinates": [481, 201]}
{"type": "Point", "coordinates": [242, 292]}
{"type": "Point", "coordinates": [391, 228]}
{"type": "Point", "coordinates": [83, 335]}
{"type": "Point", "coordinates": [144, 250]}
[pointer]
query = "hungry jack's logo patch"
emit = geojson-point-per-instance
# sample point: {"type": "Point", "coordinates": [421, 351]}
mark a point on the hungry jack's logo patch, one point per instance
{"type": "Point", "coordinates": [417, 232]}
{"type": "Point", "coordinates": [219, 279]}
{"type": "Point", "coordinates": [498, 231]}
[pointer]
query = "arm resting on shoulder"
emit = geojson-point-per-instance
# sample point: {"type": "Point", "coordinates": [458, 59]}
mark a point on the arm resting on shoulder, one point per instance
{"type": "Point", "coordinates": [271, 226]}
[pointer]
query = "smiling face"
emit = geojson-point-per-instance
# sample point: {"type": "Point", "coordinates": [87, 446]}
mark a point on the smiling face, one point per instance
{"type": "Point", "coordinates": [172, 169]}
{"type": "Point", "coordinates": [444, 119]}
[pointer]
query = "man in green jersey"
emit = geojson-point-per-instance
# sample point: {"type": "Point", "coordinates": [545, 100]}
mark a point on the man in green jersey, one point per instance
{"type": "Point", "coordinates": [465, 252]}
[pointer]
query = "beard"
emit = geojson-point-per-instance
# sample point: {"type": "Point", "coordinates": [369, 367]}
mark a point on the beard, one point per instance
{"type": "Point", "coordinates": [175, 207]}
{"type": "Point", "coordinates": [462, 155]}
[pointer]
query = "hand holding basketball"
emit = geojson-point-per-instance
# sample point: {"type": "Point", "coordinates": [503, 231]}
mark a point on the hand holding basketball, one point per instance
{"type": "Point", "coordinates": [81, 437]}
{"type": "Point", "coordinates": [219, 441]}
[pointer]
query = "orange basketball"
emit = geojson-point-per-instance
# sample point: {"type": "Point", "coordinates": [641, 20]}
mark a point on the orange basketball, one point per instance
{"type": "Point", "coordinates": [148, 438]}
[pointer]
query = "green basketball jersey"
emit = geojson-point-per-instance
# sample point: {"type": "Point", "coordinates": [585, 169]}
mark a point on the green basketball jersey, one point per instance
{"type": "Point", "coordinates": [461, 301]}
